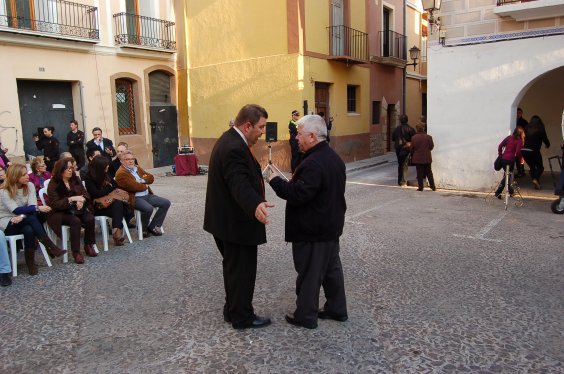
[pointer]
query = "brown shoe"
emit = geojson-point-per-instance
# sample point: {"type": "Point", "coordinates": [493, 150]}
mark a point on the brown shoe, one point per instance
{"type": "Point", "coordinates": [51, 247]}
{"type": "Point", "coordinates": [118, 236]}
{"type": "Point", "coordinates": [78, 257]}
{"type": "Point", "coordinates": [29, 254]}
{"type": "Point", "coordinates": [89, 250]}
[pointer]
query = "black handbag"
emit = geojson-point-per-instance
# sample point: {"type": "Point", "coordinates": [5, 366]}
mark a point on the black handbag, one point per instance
{"type": "Point", "coordinates": [497, 163]}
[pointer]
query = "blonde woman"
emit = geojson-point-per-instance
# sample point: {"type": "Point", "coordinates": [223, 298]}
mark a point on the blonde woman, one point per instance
{"type": "Point", "coordinates": [20, 214]}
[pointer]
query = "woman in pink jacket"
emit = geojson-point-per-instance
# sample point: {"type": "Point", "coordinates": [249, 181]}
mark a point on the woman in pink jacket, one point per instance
{"type": "Point", "coordinates": [510, 151]}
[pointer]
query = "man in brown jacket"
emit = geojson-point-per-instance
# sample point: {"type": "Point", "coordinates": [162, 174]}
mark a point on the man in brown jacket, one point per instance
{"type": "Point", "coordinates": [421, 147]}
{"type": "Point", "coordinates": [135, 180]}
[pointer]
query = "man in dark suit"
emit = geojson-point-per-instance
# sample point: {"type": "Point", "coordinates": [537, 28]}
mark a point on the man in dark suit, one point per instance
{"type": "Point", "coordinates": [315, 216]}
{"type": "Point", "coordinates": [105, 145]}
{"type": "Point", "coordinates": [236, 212]}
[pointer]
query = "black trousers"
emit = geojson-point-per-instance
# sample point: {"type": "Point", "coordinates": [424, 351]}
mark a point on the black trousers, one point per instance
{"type": "Point", "coordinates": [30, 227]}
{"type": "Point", "coordinates": [116, 211]}
{"type": "Point", "coordinates": [501, 184]}
{"type": "Point", "coordinates": [425, 171]}
{"type": "Point", "coordinates": [534, 160]}
{"type": "Point", "coordinates": [403, 155]}
{"type": "Point", "coordinates": [239, 275]}
{"type": "Point", "coordinates": [318, 265]}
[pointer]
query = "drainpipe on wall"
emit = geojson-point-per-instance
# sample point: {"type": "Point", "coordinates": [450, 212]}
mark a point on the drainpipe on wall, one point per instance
{"type": "Point", "coordinates": [82, 110]}
{"type": "Point", "coordinates": [403, 94]}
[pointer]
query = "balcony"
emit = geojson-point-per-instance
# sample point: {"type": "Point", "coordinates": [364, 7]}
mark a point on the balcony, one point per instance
{"type": "Point", "coordinates": [391, 48]}
{"type": "Point", "coordinates": [144, 32]}
{"type": "Point", "coordinates": [348, 45]}
{"type": "Point", "coordinates": [521, 10]}
{"type": "Point", "coordinates": [52, 18]}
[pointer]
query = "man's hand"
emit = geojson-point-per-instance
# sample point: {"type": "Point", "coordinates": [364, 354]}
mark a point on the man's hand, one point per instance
{"type": "Point", "coordinates": [272, 173]}
{"type": "Point", "coordinates": [261, 213]}
{"type": "Point", "coordinates": [109, 151]}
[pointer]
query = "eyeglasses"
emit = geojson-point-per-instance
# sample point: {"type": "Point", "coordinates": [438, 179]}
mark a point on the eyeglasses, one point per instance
{"type": "Point", "coordinates": [128, 159]}
{"type": "Point", "coordinates": [70, 168]}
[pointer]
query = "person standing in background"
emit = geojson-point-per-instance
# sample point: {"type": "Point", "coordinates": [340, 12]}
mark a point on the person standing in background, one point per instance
{"type": "Point", "coordinates": [402, 139]}
{"type": "Point", "coordinates": [294, 148]}
{"type": "Point", "coordinates": [105, 145]}
{"type": "Point", "coordinates": [75, 142]}
{"type": "Point", "coordinates": [50, 146]}
{"type": "Point", "coordinates": [522, 122]}
{"type": "Point", "coordinates": [535, 135]}
{"type": "Point", "coordinates": [421, 147]}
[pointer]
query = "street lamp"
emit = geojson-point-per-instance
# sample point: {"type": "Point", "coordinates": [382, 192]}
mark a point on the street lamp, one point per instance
{"type": "Point", "coordinates": [414, 55]}
{"type": "Point", "coordinates": [430, 6]}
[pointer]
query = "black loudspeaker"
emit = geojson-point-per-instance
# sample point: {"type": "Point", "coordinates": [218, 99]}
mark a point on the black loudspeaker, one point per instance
{"type": "Point", "coordinates": [271, 132]}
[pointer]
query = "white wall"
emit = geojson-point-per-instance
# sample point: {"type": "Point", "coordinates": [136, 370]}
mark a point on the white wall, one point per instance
{"type": "Point", "coordinates": [473, 92]}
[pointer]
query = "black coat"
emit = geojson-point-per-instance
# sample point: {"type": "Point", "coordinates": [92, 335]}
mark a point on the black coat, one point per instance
{"type": "Point", "coordinates": [50, 147]}
{"type": "Point", "coordinates": [235, 189]}
{"type": "Point", "coordinates": [315, 197]}
{"type": "Point", "coordinates": [107, 144]}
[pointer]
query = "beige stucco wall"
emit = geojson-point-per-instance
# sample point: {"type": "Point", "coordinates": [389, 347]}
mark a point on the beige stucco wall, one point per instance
{"type": "Point", "coordinates": [317, 19]}
{"type": "Point", "coordinates": [92, 66]}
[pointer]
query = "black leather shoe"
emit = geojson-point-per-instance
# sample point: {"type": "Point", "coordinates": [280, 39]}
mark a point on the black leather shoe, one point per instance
{"type": "Point", "coordinates": [292, 321]}
{"type": "Point", "coordinates": [226, 318]}
{"type": "Point", "coordinates": [154, 231]}
{"type": "Point", "coordinates": [254, 324]}
{"type": "Point", "coordinates": [326, 315]}
{"type": "Point", "coordinates": [131, 225]}
{"type": "Point", "coordinates": [5, 279]}
{"type": "Point", "coordinates": [146, 233]}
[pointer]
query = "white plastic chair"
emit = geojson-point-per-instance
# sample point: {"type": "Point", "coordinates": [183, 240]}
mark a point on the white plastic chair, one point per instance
{"type": "Point", "coordinates": [140, 224]}
{"type": "Point", "coordinates": [103, 221]}
{"type": "Point", "coordinates": [12, 242]}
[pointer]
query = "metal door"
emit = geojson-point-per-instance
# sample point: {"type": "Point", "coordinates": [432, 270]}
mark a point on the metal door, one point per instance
{"type": "Point", "coordinates": [44, 103]}
{"type": "Point", "coordinates": [164, 134]}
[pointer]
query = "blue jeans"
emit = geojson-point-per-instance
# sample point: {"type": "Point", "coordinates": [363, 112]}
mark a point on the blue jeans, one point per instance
{"type": "Point", "coordinates": [4, 257]}
{"type": "Point", "coordinates": [30, 227]}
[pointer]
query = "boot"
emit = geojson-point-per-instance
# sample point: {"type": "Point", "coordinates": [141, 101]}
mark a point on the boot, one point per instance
{"type": "Point", "coordinates": [89, 250]}
{"type": "Point", "coordinates": [5, 279]}
{"type": "Point", "coordinates": [51, 247]}
{"type": "Point", "coordinates": [29, 254]}
{"type": "Point", "coordinates": [118, 236]}
{"type": "Point", "coordinates": [78, 257]}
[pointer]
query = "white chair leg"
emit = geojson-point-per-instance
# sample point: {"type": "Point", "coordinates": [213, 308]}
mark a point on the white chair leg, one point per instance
{"type": "Point", "coordinates": [139, 224]}
{"type": "Point", "coordinates": [126, 230]}
{"type": "Point", "coordinates": [65, 242]}
{"type": "Point", "coordinates": [45, 255]}
{"type": "Point", "coordinates": [14, 252]}
{"type": "Point", "coordinates": [95, 248]}
{"type": "Point", "coordinates": [104, 228]}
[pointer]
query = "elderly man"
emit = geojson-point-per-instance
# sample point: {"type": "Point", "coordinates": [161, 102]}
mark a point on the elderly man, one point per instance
{"type": "Point", "coordinates": [135, 180]}
{"type": "Point", "coordinates": [236, 212]}
{"type": "Point", "coordinates": [105, 145]}
{"type": "Point", "coordinates": [315, 216]}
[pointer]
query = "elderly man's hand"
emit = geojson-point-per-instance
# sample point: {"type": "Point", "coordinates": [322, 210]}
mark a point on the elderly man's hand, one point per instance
{"type": "Point", "coordinates": [261, 213]}
{"type": "Point", "coordinates": [272, 173]}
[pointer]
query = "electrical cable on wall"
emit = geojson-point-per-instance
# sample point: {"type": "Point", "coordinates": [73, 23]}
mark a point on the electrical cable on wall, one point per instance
{"type": "Point", "coordinates": [4, 128]}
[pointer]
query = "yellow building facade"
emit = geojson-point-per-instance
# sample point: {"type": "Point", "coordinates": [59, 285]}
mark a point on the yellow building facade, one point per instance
{"type": "Point", "coordinates": [281, 55]}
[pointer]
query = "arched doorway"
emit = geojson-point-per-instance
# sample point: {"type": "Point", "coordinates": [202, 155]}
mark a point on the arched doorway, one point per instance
{"type": "Point", "coordinates": [163, 119]}
{"type": "Point", "coordinates": [544, 97]}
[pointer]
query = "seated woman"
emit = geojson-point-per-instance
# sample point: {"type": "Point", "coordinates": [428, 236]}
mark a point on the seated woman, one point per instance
{"type": "Point", "coordinates": [20, 214]}
{"type": "Point", "coordinates": [71, 207]}
{"type": "Point", "coordinates": [5, 268]}
{"type": "Point", "coordinates": [99, 184]}
{"type": "Point", "coordinates": [38, 175]}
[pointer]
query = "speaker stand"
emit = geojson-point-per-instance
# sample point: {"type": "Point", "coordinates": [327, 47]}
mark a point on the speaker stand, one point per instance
{"type": "Point", "coordinates": [265, 170]}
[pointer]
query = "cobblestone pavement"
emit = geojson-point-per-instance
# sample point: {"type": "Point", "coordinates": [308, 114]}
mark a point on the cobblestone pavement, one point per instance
{"type": "Point", "coordinates": [436, 282]}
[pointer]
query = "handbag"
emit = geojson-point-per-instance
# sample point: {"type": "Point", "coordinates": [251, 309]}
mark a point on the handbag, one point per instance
{"type": "Point", "coordinates": [105, 201]}
{"type": "Point", "coordinates": [497, 163]}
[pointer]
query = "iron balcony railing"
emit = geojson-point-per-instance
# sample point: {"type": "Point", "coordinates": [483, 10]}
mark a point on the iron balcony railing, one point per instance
{"type": "Point", "coordinates": [347, 42]}
{"type": "Point", "coordinates": [55, 17]}
{"type": "Point", "coordinates": [391, 44]}
{"type": "Point", "coordinates": [134, 30]}
{"type": "Point", "coordinates": [503, 2]}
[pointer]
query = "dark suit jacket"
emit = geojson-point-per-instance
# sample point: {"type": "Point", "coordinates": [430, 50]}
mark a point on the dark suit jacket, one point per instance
{"type": "Point", "coordinates": [235, 189]}
{"type": "Point", "coordinates": [107, 144]}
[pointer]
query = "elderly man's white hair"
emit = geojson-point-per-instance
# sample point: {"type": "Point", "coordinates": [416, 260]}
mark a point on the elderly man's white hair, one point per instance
{"type": "Point", "coordinates": [315, 125]}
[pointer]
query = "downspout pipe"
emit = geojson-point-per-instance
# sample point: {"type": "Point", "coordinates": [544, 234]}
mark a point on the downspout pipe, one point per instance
{"type": "Point", "coordinates": [403, 89]}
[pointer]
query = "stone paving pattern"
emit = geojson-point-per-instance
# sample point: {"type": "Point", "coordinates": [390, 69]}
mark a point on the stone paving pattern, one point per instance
{"type": "Point", "coordinates": [422, 297]}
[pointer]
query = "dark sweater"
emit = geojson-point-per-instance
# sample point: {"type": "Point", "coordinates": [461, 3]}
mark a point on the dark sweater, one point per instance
{"type": "Point", "coordinates": [315, 197]}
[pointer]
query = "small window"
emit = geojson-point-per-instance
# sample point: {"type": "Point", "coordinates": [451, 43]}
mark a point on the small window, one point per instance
{"type": "Point", "coordinates": [351, 98]}
{"type": "Point", "coordinates": [125, 107]}
{"type": "Point", "coordinates": [376, 112]}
